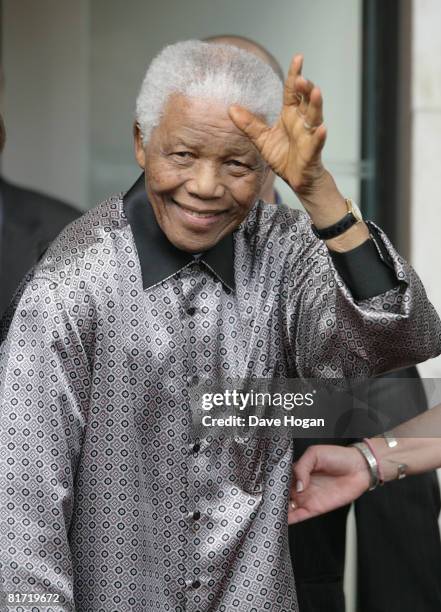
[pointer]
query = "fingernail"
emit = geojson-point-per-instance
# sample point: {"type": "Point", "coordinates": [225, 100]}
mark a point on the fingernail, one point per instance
{"type": "Point", "coordinates": [293, 506]}
{"type": "Point", "coordinates": [299, 486]}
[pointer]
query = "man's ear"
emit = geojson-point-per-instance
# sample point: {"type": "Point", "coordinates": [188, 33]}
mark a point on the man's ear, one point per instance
{"type": "Point", "coordinates": [139, 146]}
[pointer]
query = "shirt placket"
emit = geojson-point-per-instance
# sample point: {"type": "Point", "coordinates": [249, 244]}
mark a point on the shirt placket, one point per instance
{"type": "Point", "coordinates": [192, 280]}
{"type": "Point", "coordinates": [202, 293]}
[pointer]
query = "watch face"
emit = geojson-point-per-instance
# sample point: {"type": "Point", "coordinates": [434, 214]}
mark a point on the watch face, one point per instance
{"type": "Point", "coordinates": [356, 211]}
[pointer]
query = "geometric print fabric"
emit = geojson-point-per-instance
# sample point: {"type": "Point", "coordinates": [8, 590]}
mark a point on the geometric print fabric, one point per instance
{"type": "Point", "coordinates": [106, 498]}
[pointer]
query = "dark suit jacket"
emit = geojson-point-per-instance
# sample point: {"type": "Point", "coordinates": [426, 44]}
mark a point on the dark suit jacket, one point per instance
{"type": "Point", "coordinates": [30, 221]}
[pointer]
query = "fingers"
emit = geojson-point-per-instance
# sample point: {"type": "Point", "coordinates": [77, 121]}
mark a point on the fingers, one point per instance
{"type": "Point", "coordinates": [302, 469]}
{"type": "Point", "coordinates": [310, 111]}
{"type": "Point", "coordinates": [300, 478]}
{"type": "Point", "coordinates": [304, 95]}
{"type": "Point", "coordinates": [289, 93]}
{"type": "Point", "coordinates": [312, 104]}
{"type": "Point", "coordinates": [303, 89]}
{"type": "Point", "coordinates": [249, 123]}
{"type": "Point", "coordinates": [299, 514]}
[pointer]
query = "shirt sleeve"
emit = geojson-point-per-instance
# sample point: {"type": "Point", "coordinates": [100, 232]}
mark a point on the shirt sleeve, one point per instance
{"type": "Point", "coordinates": [333, 334]}
{"type": "Point", "coordinates": [44, 383]}
{"type": "Point", "coordinates": [368, 269]}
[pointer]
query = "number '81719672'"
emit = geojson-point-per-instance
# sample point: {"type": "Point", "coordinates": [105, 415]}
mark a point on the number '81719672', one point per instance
{"type": "Point", "coordinates": [32, 597]}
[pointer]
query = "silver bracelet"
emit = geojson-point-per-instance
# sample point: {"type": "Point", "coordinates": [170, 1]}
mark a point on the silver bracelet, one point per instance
{"type": "Point", "coordinates": [391, 441]}
{"type": "Point", "coordinates": [371, 461]}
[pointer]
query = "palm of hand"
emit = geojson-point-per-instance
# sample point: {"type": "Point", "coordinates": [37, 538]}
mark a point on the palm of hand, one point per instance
{"type": "Point", "coordinates": [291, 150]}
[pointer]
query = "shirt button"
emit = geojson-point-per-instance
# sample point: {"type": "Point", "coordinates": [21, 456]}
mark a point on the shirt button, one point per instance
{"type": "Point", "coordinates": [191, 310]}
{"type": "Point", "coordinates": [196, 447]}
{"type": "Point", "coordinates": [194, 380]}
{"type": "Point", "coordinates": [195, 584]}
{"type": "Point", "coordinates": [196, 515]}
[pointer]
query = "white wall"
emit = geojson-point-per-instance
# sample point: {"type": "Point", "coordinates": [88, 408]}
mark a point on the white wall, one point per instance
{"type": "Point", "coordinates": [426, 154]}
{"type": "Point", "coordinates": [46, 98]}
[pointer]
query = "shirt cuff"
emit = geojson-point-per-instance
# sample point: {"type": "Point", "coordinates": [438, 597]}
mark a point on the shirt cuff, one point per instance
{"type": "Point", "coordinates": [367, 270]}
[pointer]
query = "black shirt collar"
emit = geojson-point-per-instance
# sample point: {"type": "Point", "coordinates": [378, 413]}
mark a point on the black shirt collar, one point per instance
{"type": "Point", "coordinates": [158, 257]}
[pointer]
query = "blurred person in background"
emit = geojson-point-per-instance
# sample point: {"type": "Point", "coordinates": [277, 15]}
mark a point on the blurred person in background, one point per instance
{"type": "Point", "coordinates": [29, 221]}
{"type": "Point", "coordinates": [411, 506]}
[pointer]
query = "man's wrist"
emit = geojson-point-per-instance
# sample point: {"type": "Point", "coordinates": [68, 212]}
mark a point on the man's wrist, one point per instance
{"type": "Point", "coordinates": [326, 206]}
{"type": "Point", "coordinates": [323, 201]}
{"type": "Point", "coordinates": [350, 239]}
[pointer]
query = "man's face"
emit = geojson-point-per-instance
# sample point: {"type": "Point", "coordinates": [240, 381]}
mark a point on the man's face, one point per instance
{"type": "Point", "coordinates": [202, 173]}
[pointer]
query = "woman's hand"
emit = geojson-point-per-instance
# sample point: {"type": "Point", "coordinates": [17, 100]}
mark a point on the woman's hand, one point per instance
{"type": "Point", "coordinates": [326, 477]}
{"type": "Point", "coordinates": [292, 146]}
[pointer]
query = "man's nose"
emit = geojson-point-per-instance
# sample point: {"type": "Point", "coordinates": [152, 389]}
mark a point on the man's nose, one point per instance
{"type": "Point", "coordinates": [205, 182]}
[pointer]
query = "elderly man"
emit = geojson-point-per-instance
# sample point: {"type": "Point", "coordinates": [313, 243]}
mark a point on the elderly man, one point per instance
{"type": "Point", "coordinates": [108, 501]}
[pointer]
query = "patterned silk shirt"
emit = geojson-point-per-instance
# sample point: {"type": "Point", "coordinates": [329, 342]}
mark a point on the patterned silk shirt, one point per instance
{"type": "Point", "coordinates": [107, 502]}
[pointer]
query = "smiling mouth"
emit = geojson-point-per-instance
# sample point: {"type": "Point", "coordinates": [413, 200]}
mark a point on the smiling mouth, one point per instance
{"type": "Point", "coordinates": [199, 214]}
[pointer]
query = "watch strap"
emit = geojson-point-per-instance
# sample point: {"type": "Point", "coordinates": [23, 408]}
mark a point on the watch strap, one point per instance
{"type": "Point", "coordinates": [335, 230]}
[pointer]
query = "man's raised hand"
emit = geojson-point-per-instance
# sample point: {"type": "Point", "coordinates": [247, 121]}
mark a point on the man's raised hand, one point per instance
{"type": "Point", "coordinates": [292, 146]}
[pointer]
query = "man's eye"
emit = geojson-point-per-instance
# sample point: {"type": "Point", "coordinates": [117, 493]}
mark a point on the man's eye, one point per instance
{"type": "Point", "coordinates": [236, 163]}
{"type": "Point", "coordinates": [183, 154]}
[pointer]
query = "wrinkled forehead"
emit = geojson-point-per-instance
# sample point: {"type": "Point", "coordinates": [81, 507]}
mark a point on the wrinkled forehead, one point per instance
{"type": "Point", "coordinates": [202, 123]}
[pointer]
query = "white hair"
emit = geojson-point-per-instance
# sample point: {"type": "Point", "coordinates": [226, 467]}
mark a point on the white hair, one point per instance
{"type": "Point", "coordinates": [211, 71]}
